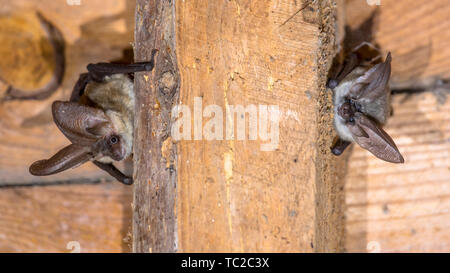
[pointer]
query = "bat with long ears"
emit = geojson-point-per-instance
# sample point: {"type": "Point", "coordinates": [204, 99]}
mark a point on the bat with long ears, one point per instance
{"type": "Point", "coordinates": [362, 105]}
{"type": "Point", "coordinates": [98, 120]}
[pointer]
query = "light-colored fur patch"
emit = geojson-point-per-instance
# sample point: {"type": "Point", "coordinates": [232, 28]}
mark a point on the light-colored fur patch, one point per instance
{"type": "Point", "coordinates": [115, 95]}
{"type": "Point", "coordinates": [376, 109]}
{"type": "Point", "coordinates": [340, 93]}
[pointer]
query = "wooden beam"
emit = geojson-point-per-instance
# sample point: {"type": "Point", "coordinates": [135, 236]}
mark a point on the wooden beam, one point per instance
{"type": "Point", "coordinates": [154, 222]}
{"type": "Point", "coordinates": [231, 195]}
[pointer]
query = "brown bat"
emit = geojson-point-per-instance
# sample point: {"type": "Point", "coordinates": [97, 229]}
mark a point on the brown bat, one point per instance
{"type": "Point", "coordinates": [362, 105]}
{"type": "Point", "coordinates": [98, 120]}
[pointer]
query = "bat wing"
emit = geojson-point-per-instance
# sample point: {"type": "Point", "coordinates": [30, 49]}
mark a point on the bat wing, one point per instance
{"type": "Point", "coordinates": [374, 83]}
{"type": "Point", "coordinates": [374, 139]}
{"type": "Point", "coordinates": [69, 157]}
{"type": "Point", "coordinates": [81, 124]}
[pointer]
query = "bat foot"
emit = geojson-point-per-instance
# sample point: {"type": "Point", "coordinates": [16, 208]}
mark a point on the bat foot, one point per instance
{"type": "Point", "coordinates": [148, 66]}
{"type": "Point", "coordinates": [127, 181]}
{"type": "Point", "coordinates": [336, 151]}
{"type": "Point", "coordinates": [114, 172]}
{"type": "Point", "coordinates": [339, 147]}
{"type": "Point", "coordinates": [332, 83]}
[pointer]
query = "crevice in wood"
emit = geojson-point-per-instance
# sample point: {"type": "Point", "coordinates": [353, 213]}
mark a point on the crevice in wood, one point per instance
{"type": "Point", "coordinates": [84, 181]}
{"type": "Point", "coordinates": [440, 88]}
{"type": "Point", "coordinates": [307, 3]}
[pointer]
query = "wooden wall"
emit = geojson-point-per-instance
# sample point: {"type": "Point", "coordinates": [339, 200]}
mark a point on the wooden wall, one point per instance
{"type": "Point", "coordinates": [49, 218]}
{"type": "Point", "coordinates": [388, 208]}
{"type": "Point", "coordinates": [405, 208]}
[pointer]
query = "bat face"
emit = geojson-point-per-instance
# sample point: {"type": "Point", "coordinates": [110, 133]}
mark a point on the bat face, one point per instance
{"type": "Point", "coordinates": [94, 136]}
{"type": "Point", "coordinates": [98, 120]}
{"type": "Point", "coordinates": [92, 127]}
{"type": "Point", "coordinates": [116, 97]}
{"type": "Point", "coordinates": [99, 124]}
{"type": "Point", "coordinates": [112, 147]}
{"type": "Point", "coordinates": [361, 106]}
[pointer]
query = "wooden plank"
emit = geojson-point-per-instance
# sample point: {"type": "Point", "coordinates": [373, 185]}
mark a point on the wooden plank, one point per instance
{"type": "Point", "coordinates": [230, 195]}
{"type": "Point", "coordinates": [404, 208]}
{"type": "Point", "coordinates": [417, 33]}
{"type": "Point", "coordinates": [27, 132]}
{"type": "Point", "coordinates": [48, 218]}
{"type": "Point", "coordinates": [156, 92]}
{"type": "Point", "coordinates": [395, 208]}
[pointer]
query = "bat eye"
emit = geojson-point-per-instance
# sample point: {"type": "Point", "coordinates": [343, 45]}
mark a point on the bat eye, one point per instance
{"type": "Point", "coordinates": [352, 120]}
{"type": "Point", "coordinates": [113, 140]}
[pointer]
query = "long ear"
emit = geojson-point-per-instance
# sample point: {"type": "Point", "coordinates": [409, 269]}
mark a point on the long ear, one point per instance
{"type": "Point", "coordinates": [374, 83]}
{"type": "Point", "coordinates": [81, 124]}
{"type": "Point", "coordinates": [374, 139]}
{"type": "Point", "coordinates": [69, 157]}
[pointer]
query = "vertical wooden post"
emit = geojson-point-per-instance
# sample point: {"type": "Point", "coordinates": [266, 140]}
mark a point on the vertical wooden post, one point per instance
{"type": "Point", "coordinates": [154, 222]}
{"type": "Point", "coordinates": [229, 194]}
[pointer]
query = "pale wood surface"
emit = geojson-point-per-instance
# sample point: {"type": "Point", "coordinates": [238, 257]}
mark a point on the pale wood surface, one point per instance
{"type": "Point", "coordinates": [403, 207]}
{"type": "Point", "coordinates": [397, 208]}
{"type": "Point", "coordinates": [231, 196]}
{"type": "Point", "coordinates": [47, 218]}
{"type": "Point", "coordinates": [416, 32]}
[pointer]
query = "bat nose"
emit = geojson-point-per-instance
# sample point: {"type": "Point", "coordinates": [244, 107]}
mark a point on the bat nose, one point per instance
{"type": "Point", "coordinates": [346, 111]}
{"type": "Point", "coordinates": [119, 154]}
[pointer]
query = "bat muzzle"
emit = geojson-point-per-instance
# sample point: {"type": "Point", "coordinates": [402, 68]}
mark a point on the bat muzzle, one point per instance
{"type": "Point", "coordinates": [347, 110]}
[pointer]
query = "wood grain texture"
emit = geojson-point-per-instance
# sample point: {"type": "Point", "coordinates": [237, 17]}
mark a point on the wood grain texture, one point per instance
{"type": "Point", "coordinates": [154, 228]}
{"type": "Point", "coordinates": [416, 32]}
{"type": "Point", "coordinates": [228, 195]}
{"type": "Point", "coordinates": [32, 52]}
{"type": "Point", "coordinates": [27, 131]}
{"type": "Point", "coordinates": [46, 219]}
{"type": "Point", "coordinates": [403, 208]}
{"type": "Point", "coordinates": [231, 196]}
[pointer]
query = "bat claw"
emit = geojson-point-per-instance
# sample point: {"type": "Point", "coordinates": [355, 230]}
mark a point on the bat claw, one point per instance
{"type": "Point", "coordinates": [148, 67]}
{"type": "Point", "coordinates": [336, 151]}
{"type": "Point", "coordinates": [332, 83]}
{"type": "Point", "coordinates": [127, 181]}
